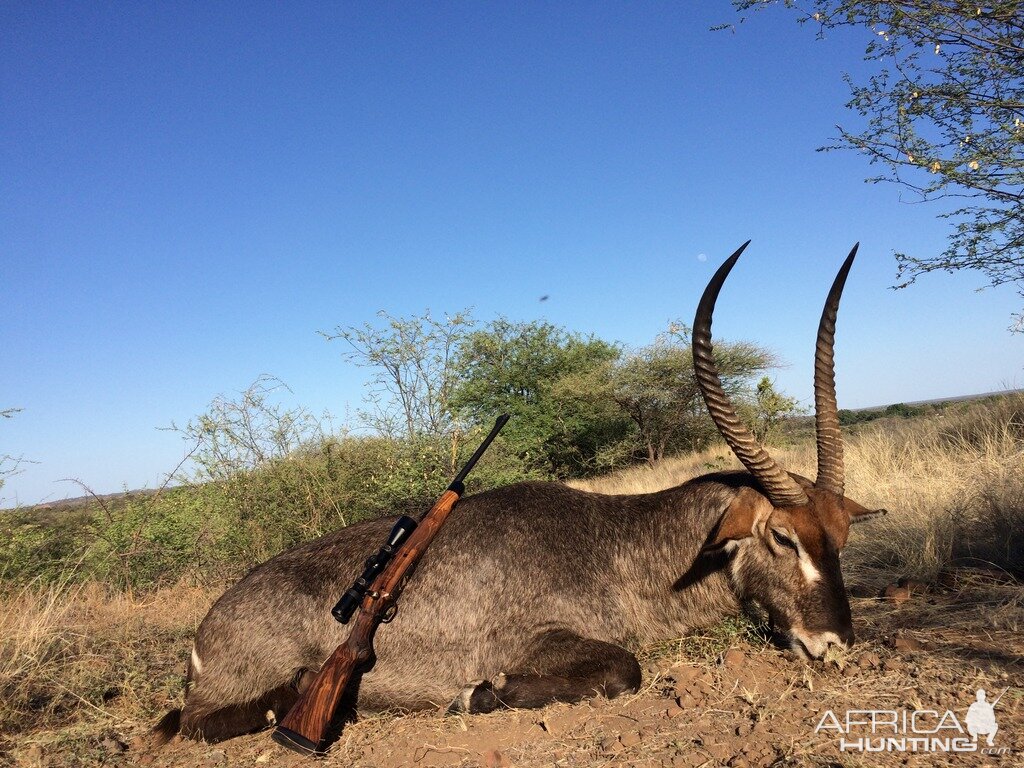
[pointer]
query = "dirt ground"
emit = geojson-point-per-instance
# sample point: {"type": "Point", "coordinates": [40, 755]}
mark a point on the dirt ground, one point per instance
{"type": "Point", "coordinates": [724, 698]}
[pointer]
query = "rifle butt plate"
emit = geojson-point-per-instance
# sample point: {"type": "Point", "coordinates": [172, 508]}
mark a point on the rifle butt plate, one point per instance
{"type": "Point", "coordinates": [297, 742]}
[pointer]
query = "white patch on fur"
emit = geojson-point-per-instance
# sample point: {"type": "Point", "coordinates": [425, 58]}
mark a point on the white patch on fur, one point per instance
{"type": "Point", "coordinates": [197, 665]}
{"type": "Point", "coordinates": [807, 566]}
{"type": "Point", "coordinates": [270, 717]}
{"type": "Point", "coordinates": [811, 574]}
{"type": "Point", "coordinates": [464, 697]}
{"type": "Point", "coordinates": [499, 682]}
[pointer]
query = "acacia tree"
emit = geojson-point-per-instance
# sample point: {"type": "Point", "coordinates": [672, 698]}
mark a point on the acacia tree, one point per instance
{"type": "Point", "coordinates": [770, 408]}
{"type": "Point", "coordinates": [9, 465]}
{"type": "Point", "coordinates": [657, 388]}
{"type": "Point", "coordinates": [413, 359]}
{"type": "Point", "coordinates": [945, 117]}
{"type": "Point", "coordinates": [237, 435]}
{"type": "Point", "coordinates": [552, 382]}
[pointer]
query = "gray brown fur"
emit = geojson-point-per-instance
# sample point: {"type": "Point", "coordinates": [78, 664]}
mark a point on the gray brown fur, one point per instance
{"type": "Point", "coordinates": [515, 572]}
{"type": "Point", "coordinates": [509, 566]}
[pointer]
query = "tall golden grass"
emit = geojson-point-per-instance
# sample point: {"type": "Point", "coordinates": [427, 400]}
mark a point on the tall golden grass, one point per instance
{"type": "Point", "coordinates": [954, 486]}
{"type": "Point", "coordinates": [76, 654]}
{"type": "Point", "coordinates": [34, 645]}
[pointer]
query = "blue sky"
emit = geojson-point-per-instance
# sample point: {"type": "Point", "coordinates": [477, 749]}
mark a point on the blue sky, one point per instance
{"type": "Point", "coordinates": [190, 191]}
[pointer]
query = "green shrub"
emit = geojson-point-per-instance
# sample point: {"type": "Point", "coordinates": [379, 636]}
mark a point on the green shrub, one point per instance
{"type": "Point", "coordinates": [215, 531]}
{"type": "Point", "coordinates": [35, 547]}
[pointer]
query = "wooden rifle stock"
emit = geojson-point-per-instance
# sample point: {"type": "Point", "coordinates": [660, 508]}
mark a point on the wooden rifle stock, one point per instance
{"type": "Point", "coordinates": [305, 726]}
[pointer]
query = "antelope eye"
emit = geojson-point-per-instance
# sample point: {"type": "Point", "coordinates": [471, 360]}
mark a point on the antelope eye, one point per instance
{"type": "Point", "coordinates": [783, 541]}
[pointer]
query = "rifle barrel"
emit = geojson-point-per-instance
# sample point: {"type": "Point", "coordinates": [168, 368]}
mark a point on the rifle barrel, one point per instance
{"type": "Point", "coordinates": [456, 484]}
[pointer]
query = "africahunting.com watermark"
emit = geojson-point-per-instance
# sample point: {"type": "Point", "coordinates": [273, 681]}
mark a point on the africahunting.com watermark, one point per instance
{"type": "Point", "coordinates": [918, 730]}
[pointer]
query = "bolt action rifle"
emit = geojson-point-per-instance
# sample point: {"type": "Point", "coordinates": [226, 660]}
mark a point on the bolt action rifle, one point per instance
{"type": "Point", "coordinates": [375, 594]}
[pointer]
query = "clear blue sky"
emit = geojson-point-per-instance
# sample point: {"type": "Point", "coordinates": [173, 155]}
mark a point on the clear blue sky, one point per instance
{"type": "Point", "coordinates": [190, 191]}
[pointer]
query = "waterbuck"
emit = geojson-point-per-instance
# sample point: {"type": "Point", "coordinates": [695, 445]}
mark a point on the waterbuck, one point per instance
{"type": "Point", "coordinates": [529, 591]}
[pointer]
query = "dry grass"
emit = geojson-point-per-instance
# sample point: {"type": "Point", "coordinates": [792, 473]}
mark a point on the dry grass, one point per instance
{"type": "Point", "coordinates": [953, 485]}
{"type": "Point", "coordinates": [83, 657]}
{"type": "Point", "coordinates": [34, 646]}
{"type": "Point", "coordinates": [707, 644]}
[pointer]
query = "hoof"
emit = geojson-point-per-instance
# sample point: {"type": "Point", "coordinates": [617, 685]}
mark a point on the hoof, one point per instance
{"type": "Point", "coordinates": [476, 698]}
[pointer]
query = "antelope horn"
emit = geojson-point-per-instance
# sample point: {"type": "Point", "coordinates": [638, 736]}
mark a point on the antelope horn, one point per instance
{"type": "Point", "coordinates": [781, 489]}
{"type": "Point", "coordinates": [826, 412]}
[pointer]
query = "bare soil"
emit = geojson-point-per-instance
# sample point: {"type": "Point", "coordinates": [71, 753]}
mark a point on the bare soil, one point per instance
{"type": "Point", "coordinates": [714, 699]}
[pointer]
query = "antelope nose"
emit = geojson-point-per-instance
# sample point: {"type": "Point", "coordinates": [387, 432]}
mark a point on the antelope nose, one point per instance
{"type": "Point", "coordinates": [846, 636]}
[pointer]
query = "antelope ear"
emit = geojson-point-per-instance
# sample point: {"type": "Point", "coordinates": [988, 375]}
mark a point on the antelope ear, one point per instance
{"type": "Point", "coordinates": [869, 514]}
{"type": "Point", "coordinates": [860, 514]}
{"type": "Point", "coordinates": [739, 519]}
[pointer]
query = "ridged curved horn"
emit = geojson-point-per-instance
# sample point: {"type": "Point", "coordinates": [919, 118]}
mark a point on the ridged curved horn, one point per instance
{"type": "Point", "coordinates": [826, 411]}
{"type": "Point", "coordinates": [781, 489]}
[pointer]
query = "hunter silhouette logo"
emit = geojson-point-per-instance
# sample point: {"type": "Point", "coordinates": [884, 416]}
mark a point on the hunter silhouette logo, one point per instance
{"type": "Point", "coordinates": [918, 730]}
{"type": "Point", "coordinates": [981, 717]}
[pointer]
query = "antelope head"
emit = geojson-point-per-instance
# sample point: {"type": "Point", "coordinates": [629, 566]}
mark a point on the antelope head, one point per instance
{"type": "Point", "coordinates": [784, 536]}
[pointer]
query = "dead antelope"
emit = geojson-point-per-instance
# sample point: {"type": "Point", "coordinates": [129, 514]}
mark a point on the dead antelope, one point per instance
{"type": "Point", "coordinates": [530, 590]}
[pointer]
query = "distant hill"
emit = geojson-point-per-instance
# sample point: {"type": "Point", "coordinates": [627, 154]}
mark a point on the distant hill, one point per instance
{"type": "Point", "coordinates": [802, 427]}
{"type": "Point", "coordinates": [940, 400]}
{"type": "Point", "coordinates": [80, 502]}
